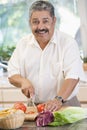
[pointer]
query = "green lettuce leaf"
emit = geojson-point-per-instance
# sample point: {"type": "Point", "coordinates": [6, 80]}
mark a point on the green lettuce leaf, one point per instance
{"type": "Point", "coordinates": [68, 115]}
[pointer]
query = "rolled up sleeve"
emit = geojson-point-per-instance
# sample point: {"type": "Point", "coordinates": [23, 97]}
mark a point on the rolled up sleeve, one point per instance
{"type": "Point", "coordinates": [73, 67]}
{"type": "Point", "coordinates": [13, 64]}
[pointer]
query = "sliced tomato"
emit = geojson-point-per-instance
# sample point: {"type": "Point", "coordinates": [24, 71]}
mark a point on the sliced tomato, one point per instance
{"type": "Point", "coordinates": [20, 105]}
{"type": "Point", "coordinates": [40, 107]}
{"type": "Point", "coordinates": [30, 112]}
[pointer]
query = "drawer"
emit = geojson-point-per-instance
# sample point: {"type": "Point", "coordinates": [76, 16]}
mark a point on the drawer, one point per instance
{"type": "Point", "coordinates": [82, 94]}
{"type": "Point", "coordinates": [1, 96]}
{"type": "Point", "coordinates": [13, 95]}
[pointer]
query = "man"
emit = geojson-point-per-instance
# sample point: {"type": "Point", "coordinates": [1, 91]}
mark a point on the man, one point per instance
{"type": "Point", "coordinates": [46, 64]}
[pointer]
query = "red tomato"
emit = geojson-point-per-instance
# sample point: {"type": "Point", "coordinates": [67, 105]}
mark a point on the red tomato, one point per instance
{"type": "Point", "coordinates": [20, 105]}
{"type": "Point", "coordinates": [40, 107]}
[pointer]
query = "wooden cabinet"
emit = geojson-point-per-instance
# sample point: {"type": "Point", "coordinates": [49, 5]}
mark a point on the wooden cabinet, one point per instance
{"type": "Point", "coordinates": [82, 94]}
{"type": "Point", "coordinates": [0, 98]}
{"type": "Point", "coordinates": [9, 94]}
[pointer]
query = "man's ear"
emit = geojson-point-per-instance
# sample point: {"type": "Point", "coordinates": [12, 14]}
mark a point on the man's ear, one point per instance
{"type": "Point", "coordinates": [54, 19]}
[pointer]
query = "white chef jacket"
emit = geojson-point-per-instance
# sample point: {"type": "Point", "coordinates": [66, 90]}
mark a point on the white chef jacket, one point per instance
{"type": "Point", "coordinates": [47, 69]}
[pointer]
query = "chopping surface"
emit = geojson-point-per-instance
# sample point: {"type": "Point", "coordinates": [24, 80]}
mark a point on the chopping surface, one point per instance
{"type": "Point", "coordinates": [81, 125]}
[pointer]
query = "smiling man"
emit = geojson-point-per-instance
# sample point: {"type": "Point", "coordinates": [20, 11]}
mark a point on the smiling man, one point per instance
{"type": "Point", "coordinates": [46, 64]}
{"type": "Point", "coordinates": [42, 25]}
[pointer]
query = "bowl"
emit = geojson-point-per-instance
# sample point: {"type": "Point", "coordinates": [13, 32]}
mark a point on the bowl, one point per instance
{"type": "Point", "coordinates": [11, 119]}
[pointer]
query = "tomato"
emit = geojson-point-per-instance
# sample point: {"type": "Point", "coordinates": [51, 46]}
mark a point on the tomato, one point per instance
{"type": "Point", "coordinates": [30, 112]}
{"type": "Point", "coordinates": [40, 107]}
{"type": "Point", "coordinates": [20, 105]}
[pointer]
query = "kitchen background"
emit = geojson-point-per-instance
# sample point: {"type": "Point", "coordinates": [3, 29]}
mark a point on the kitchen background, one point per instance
{"type": "Point", "coordinates": [71, 18]}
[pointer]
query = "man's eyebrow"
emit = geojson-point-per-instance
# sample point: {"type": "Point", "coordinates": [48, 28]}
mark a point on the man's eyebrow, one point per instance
{"type": "Point", "coordinates": [37, 18]}
{"type": "Point", "coordinates": [34, 18]}
{"type": "Point", "coordinates": [45, 18]}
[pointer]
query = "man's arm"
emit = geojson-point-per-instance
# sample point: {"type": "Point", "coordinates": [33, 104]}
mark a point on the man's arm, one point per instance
{"type": "Point", "coordinates": [67, 88]}
{"type": "Point", "coordinates": [64, 92]}
{"type": "Point", "coordinates": [16, 80]}
{"type": "Point", "coordinates": [23, 83]}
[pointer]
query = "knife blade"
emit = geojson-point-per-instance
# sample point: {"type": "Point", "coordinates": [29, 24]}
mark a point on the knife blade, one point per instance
{"type": "Point", "coordinates": [30, 102]}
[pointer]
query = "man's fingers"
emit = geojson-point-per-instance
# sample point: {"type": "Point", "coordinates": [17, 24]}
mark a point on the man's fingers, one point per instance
{"type": "Point", "coordinates": [53, 105]}
{"type": "Point", "coordinates": [28, 92]}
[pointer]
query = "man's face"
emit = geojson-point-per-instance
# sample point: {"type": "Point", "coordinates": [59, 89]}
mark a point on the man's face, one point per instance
{"type": "Point", "coordinates": [42, 26]}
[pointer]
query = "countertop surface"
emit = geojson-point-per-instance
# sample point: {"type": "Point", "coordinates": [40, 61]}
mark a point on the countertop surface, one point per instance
{"type": "Point", "coordinates": [80, 125]}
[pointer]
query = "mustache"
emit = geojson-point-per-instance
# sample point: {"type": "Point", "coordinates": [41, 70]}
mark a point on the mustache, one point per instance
{"type": "Point", "coordinates": [41, 30]}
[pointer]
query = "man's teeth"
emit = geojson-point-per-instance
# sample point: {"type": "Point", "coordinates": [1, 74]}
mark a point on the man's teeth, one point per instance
{"type": "Point", "coordinates": [42, 32]}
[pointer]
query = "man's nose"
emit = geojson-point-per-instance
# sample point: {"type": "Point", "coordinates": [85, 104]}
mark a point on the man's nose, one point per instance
{"type": "Point", "coordinates": [40, 25]}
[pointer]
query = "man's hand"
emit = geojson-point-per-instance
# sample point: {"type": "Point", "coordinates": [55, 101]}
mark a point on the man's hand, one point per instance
{"type": "Point", "coordinates": [23, 83]}
{"type": "Point", "coordinates": [53, 105]}
{"type": "Point", "coordinates": [27, 88]}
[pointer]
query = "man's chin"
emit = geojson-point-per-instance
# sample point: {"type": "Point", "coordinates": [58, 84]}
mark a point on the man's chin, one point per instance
{"type": "Point", "coordinates": [42, 37]}
{"type": "Point", "coordinates": [42, 40]}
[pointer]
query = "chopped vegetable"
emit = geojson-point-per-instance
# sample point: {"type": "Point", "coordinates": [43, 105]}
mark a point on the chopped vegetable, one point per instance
{"type": "Point", "coordinates": [20, 105]}
{"type": "Point", "coordinates": [68, 115]}
{"type": "Point", "coordinates": [44, 118]}
{"type": "Point", "coordinates": [40, 107]}
{"type": "Point", "coordinates": [30, 112]}
{"type": "Point", "coordinates": [61, 117]}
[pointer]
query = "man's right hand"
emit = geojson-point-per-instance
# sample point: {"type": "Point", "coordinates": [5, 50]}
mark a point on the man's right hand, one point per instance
{"type": "Point", "coordinates": [27, 88]}
{"type": "Point", "coordinates": [23, 83]}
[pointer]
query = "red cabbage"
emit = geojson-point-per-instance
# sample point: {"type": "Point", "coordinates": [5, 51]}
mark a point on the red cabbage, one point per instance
{"type": "Point", "coordinates": [44, 118]}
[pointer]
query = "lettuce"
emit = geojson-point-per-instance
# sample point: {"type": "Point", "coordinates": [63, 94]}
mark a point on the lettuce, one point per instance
{"type": "Point", "coordinates": [68, 115]}
{"type": "Point", "coordinates": [61, 117]}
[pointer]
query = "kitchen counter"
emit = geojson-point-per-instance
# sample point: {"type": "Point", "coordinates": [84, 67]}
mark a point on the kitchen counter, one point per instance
{"type": "Point", "coordinates": [80, 125]}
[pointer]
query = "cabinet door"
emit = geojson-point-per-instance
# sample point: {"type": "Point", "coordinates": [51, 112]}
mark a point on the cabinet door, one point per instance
{"type": "Point", "coordinates": [82, 95]}
{"type": "Point", "coordinates": [13, 95]}
{"type": "Point", "coordinates": [10, 96]}
{"type": "Point", "coordinates": [1, 98]}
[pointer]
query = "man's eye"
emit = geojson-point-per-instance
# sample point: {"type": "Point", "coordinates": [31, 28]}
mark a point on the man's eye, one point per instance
{"type": "Point", "coordinates": [35, 22]}
{"type": "Point", "coordinates": [45, 21]}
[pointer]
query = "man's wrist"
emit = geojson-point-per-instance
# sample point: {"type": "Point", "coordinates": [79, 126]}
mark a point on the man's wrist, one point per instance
{"type": "Point", "coordinates": [60, 98]}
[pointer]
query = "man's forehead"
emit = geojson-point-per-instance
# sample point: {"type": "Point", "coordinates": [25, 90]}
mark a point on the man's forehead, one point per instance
{"type": "Point", "coordinates": [40, 13]}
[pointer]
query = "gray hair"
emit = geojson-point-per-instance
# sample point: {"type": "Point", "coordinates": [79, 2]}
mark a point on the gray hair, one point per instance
{"type": "Point", "coordinates": [42, 5]}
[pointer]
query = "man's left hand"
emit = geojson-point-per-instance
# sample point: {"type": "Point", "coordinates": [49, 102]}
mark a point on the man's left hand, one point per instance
{"type": "Point", "coordinates": [53, 105]}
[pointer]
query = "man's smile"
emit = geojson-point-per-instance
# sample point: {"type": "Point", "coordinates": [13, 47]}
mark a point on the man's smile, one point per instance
{"type": "Point", "coordinates": [41, 31]}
